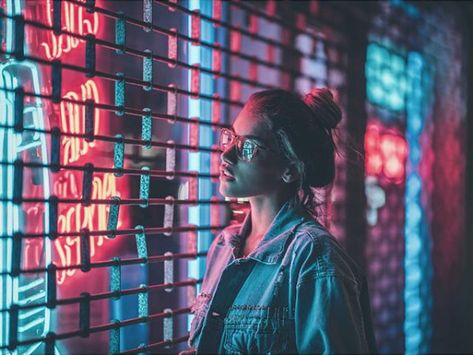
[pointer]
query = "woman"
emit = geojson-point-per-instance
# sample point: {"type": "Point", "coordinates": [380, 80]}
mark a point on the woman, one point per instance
{"type": "Point", "coordinates": [279, 282]}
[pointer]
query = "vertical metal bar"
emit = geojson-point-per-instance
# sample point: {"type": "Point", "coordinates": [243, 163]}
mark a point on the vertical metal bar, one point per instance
{"type": "Point", "coordinates": [147, 127]}
{"type": "Point", "coordinates": [113, 217]}
{"type": "Point", "coordinates": [144, 187]}
{"type": "Point", "coordinates": [56, 76]}
{"type": "Point", "coordinates": [85, 250]}
{"type": "Point", "coordinates": [18, 109]}
{"type": "Point", "coordinates": [51, 288]}
{"type": "Point", "coordinates": [88, 175]}
{"type": "Point", "coordinates": [84, 314]}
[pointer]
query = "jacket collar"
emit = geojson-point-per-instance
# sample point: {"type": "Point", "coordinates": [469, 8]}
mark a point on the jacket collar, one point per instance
{"type": "Point", "coordinates": [272, 246]}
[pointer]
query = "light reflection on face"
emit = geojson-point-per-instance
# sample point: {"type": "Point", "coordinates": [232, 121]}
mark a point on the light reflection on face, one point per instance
{"type": "Point", "coordinates": [259, 175]}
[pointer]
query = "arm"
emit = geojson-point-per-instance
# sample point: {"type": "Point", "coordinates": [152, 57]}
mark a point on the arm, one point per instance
{"type": "Point", "coordinates": [328, 316]}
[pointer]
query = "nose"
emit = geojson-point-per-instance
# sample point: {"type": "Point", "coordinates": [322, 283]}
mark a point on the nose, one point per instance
{"type": "Point", "coordinates": [229, 155]}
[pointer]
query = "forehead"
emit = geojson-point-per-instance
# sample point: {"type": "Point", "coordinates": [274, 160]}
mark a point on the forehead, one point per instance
{"type": "Point", "coordinates": [247, 124]}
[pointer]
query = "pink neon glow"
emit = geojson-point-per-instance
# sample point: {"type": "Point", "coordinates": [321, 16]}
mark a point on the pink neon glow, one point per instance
{"type": "Point", "coordinates": [195, 27]}
{"type": "Point", "coordinates": [235, 90]}
{"type": "Point", "coordinates": [68, 184]}
{"type": "Point", "coordinates": [271, 7]}
{"type": "Point", "coordinates": [235, 41]}
{"type": "Point", "coordinates": [301, 21]}
{"type": "Point", "coordinates": [217, 11]}
{"type": "Point", "coordinates": [193, 188]}
{"type": "Point", "coordinates": [253, 71]}
{"type": "Point", "coordinates": [386, 153]}
{"type": "Point", "coordinates": [217, 59]}
{"type": "Point", "coordinates": [216, 104]}
{"type": "Point", "coordinates": [253, 24]}
{"type": "Point", "coordinates": [214, 164]}
{"type": "Point", "coordinates": [75, 19]}
{"type": "Point", "coordinates": [76, 217]}
{"type": "Point", "coordinates": [33, 247]}
{"type": "Point", "coordinates": [172, 46]}
{"type": "Point", "coordinates": [195, 81]}
{"type": "Point", "coordinates": [194, 134]}
{"type": "Point", "coordinates": [270, 53]}
{"type": "Point", "coordinates": [172, 8]}
{"type": "Point", "coordinates": [73, 121]}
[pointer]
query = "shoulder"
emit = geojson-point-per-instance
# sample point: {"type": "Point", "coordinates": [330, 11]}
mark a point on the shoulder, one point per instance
{"type": "Point", "coordinates": [228, 234]}
{"type": "Point", "coordinates": [317, 254]}
{"type": "Point", "coordinates": [224, 238]}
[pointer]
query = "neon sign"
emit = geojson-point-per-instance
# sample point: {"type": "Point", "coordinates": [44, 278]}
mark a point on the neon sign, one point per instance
{"type": "Point", "coordinates": [76, 20]}
{"type": "Point", "coordinates": [385, 154]}
{"type": "Point", "coordinates": [76, 217]}
{"type": "Point", "coordinates": [73, 121]}
{"type": "Point", "coordinates": [385, 77]}
{"type": "Point", "coordinates": [27, 288]}
{"type": "Point", "coordinates": [93, 217]}
{"type": "Point", "coordinates": [71, 218]}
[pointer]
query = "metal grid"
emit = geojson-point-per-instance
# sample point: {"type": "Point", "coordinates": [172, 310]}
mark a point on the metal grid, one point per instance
{"type": "Point", "coordinates": [99, 99]}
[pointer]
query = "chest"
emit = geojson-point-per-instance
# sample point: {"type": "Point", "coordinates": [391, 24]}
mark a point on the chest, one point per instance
{"type": "Point", "coordinates": [252, 302]}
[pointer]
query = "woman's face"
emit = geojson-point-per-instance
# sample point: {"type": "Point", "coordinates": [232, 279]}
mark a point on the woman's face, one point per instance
{"type": "Point", "coordinates": [261, 175]}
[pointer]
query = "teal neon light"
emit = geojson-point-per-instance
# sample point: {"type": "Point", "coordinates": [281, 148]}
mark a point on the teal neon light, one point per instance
{"type": "Point", "coordinates": [194, 157]}
{"type": "Point", "coordinates": [16, 290]}
{"type": "Point", "coordinates": [417, 258]}
{"type": "Point", "coordinates": [385, 78]}
{"type": "Point", "coordinates": [199, 161]}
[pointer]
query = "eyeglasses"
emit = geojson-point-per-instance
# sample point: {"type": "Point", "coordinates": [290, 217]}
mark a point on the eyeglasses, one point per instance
{"type": "Point", "coordinates": [247, 148]}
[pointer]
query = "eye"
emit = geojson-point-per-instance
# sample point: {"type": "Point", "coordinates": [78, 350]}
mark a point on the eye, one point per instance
{"type": "Point", "coordinates": [247, 149]}
{"type": "Point", "coordinates": [226, 137]}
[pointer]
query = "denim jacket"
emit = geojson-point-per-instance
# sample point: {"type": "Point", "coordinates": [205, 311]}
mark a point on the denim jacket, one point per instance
{"type": "Point", "coordinates": [297, 292]}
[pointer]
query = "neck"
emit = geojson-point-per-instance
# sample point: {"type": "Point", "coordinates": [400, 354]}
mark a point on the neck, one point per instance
{"type": "Point", "coordinates": [263, 211]}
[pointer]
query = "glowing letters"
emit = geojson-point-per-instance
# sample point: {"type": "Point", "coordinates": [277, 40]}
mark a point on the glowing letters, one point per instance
{"type": "Point", "coordinates": [76, 20]}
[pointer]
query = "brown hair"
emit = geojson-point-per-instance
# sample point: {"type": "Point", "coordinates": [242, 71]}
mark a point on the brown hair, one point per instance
{"type": "Point", "coordinates": [303, 127]}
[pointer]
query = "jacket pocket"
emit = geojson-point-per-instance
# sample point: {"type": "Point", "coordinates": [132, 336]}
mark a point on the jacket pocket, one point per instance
{"type": "Point", "coordinates": [199, 308]}
{"type": "Point", "coordinates": [256, 329]}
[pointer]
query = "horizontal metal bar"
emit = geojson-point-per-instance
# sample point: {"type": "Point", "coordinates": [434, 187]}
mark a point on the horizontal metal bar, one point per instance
{"type": "Point", "coordinates": [122, 262]}
{"type": "Point", "coordinates": [107, 295]}
{"type": "Point", "coordinates": [126, 110]}
{"type": "Point", "coordinates": [129, 141]}
{"type": "Point", "coordinates": [123, 171]}
{"type": "Point", "coordinates": [122, 202]}
{"type": "Point", "coordinates": [128, 80]}
{"type": "Point", "coordinates": [157, 345]}
{"type": "Point", "coordinates": [103, 327]}
{"type": "Point", "coordinates": [261, 39]}
{"type": "Point", "coordinates": [254, 36]}
{"type": "Point", "coordinates": [121, 232]}
{"type": "Point", "coordinates": [180, 36]}
{"type": "Point", "coordinates": [186, 65]}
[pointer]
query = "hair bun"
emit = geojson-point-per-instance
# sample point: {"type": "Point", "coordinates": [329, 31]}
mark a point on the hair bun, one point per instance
{"type": "Point", "coordinates": [324, 107]}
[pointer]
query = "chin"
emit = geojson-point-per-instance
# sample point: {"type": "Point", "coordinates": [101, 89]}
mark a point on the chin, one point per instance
{"type": "Point", "coordinates": [224, 192]}
{"type": "Point", "coordinates": [231, 193]}
{"type": "Point", "coordinates": [227, 191]}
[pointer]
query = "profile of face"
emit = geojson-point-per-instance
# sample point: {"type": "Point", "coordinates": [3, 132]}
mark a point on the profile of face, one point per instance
{"type": "Point", "coordinates": [243, 175]}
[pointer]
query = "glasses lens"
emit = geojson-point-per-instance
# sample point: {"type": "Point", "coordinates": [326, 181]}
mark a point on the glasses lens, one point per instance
{"type": "Point", "coordinates": [247, 149]}
{"type": "Point", "coordinates": [226, 138]}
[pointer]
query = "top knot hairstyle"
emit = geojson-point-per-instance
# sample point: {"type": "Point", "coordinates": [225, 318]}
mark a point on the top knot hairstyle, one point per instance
{"type": "Point", "coordinates": [303, 127]}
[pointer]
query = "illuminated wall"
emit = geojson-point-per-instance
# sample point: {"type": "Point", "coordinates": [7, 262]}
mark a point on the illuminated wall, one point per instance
{"type": "Point", "coordinates": [110, 116]}
{"type": "Point", "coordinates": [412, 76]}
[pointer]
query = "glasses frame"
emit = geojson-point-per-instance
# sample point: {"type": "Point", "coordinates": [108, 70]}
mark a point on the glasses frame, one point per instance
{"type": "Point", "coordinates": [240, 141]}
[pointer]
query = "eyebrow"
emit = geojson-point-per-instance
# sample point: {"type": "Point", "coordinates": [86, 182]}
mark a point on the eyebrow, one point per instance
{"type": "Point", "coordinates": [249, 136]}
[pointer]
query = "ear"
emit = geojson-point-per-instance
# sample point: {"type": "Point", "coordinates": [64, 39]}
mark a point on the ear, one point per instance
{"type": "Point", "coordinates": [290, 174]}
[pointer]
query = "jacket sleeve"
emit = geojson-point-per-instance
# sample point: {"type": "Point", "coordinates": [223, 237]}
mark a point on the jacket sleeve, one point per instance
{"type": "Point", "coordinates": [328, 316]}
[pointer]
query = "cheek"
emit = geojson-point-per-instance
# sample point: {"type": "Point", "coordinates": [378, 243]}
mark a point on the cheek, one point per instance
{"type": "Point", "coordinates": [251, 182]}
{"type": "Point", "coordinates": [262, 178]}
